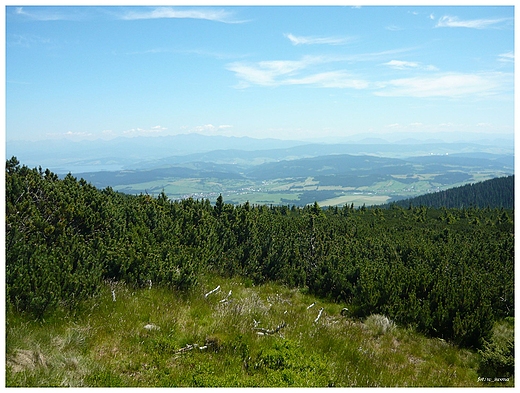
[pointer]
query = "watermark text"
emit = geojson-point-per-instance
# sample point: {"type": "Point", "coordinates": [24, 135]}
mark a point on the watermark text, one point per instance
{"type": "Point", "coordinates": [495, 379]}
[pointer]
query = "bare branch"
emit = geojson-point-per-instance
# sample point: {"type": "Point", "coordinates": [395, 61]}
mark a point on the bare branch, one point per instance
{"type": "Point", "coordinates": [319, 315]}
{"type": "Point", "coordinates": [262, 331]}
{"type": "Point", "coordinates": [212, 291]}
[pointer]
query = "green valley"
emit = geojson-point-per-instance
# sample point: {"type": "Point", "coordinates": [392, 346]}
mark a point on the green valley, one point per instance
{"type": "Point", "coordinates": [330, 180]}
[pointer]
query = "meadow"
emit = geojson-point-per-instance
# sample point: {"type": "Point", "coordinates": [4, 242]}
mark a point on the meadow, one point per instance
{"type": "Point", "coordinates": [158, 337]}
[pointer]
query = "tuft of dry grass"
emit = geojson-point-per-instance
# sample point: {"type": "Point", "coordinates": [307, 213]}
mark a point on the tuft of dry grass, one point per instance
{"type": "Point", "coordinates": [379, 324]}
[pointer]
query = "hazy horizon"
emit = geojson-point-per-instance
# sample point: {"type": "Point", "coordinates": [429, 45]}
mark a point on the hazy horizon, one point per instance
{"type": "Point", "coordinates": [289, 73]}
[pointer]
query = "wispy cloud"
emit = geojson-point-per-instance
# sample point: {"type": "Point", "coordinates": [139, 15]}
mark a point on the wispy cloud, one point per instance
{"type": "Point", "coordinates": [319, 71]}
{"type": "Point", "coordinates": [447, 85]}
{"type": "Point", "coordinates": [306, 71]}
{"type": "Point", "coordinates": [47, 13]}
{"type": "Point", "coordinates": [26, 40]}
{"type": "Point", "coordinates": [374, 56]}
{"type": "Point", "coordinates": [124, 13]}
{"type": "Point", "coordinates": [331, 79]}
{"type": "Point", "coordinates": [401, 65]}
{"type": "Point", "coordinates": [211, 128]}
{"type": "Point", "coordinates": [312, 40]}
{"type": "Point", "coordinates": [155, 130]}
{"type": "Point", "coordinates": [268, 73]}
{"type": "Point", "coordinates": [217, 15]}
{"type": "Point", "coordinates": [453, 21]}
{"type": "Point", "coordinates": [508, 57]}
{"type": "Point", "coordinates": [393, 28]}
{"type": "Point", "coordinates": [293, 72]}
{"type": "Point", "coordinates": [75, 135]}
{"type": "Point", "coordinates": [407, 65]}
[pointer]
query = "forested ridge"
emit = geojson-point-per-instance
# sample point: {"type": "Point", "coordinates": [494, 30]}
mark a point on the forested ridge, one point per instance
{"type": "Point", "coordinates": [446, 272]}
{"type": "Point", "coordinates": [498, 192]}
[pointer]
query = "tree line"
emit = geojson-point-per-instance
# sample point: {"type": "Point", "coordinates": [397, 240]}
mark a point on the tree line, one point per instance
{"type": "Point", "coordinates": [498, 192]}
{"type": "Point", "coordinates": [446, 272]}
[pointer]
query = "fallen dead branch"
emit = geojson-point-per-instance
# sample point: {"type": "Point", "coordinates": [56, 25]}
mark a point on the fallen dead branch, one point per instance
{"type": "Point", "coordinates": [212, 291]}
{"type": "Point", "coordinates": [190, 347]}
{"type": "Point", "coordinates": [262, 331]}
{"type": "Point", "coordinates": [226, 299]}
{"type": "Point", "coordinates": [319, 315]}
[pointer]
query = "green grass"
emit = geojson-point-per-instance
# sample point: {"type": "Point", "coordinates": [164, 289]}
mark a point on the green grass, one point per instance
{"type": "Point", "coordinates": [105, 343]}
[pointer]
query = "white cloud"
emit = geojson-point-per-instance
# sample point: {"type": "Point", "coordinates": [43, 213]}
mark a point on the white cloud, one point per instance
{"type": "Point", "coordinates": [293, 72]}
{"type": "Point", "coordinates": [310, 40]}
{"type": "Point", "coordinates": [508, 57]}
{"type": "Point", "coordinates": [155, 130]}
{"type": "Point", "coordinates": [401, 65]}
{"type": "Point", "coordinates": [267, 73]}
{"type": "Point", "coordinates": [332, 79]}
{"type": "Point", "coordinates": [177, 13]}
{"type": "Point", "coordinates": [374, 56]}
{"type": "Point", "coordinates": [211, 128]}
{"type": "Point", "coordinates": [279, 72]}
{"type": "Point", "coordinates": [77, 133]}
{"type": "Point", "coordinates": [135, 13]}
{"type": "Point", "coordinates": [407, 65]}
{"type": "Point", "coordinates": [447, 85]}
{"type": "Point", "coordinates": [27, 40]}
{"type": "Point", "coordinates": [48, 13]}
{"type": "Point", "coordinates": [74, 135]}
{"type": "Point", "coordinates": [453, 21]}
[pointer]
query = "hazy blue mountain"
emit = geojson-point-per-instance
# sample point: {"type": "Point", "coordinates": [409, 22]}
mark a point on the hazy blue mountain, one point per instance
{"type": "Point", "coordinates": [63, 156]}
{"type": "Point", "coordinates": [331, 169]}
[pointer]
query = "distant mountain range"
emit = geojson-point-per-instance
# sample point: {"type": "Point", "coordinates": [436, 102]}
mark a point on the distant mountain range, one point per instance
{"type": "Point", "coordinates": [331, 169]}
{"type": "Point", "coordinates": [63, 156]}
{"type": "Point", "coordinates": [269, 170]}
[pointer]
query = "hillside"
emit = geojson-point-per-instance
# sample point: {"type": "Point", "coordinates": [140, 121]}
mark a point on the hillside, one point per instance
{"type": "Point", "coordinates": [492, 193]}
{"type": "Point", "coordinates": [156, 337]}
{"type": "Point", "coordinates": [62, 156]}
{"type": "Point", "coordinates": [443, 273]}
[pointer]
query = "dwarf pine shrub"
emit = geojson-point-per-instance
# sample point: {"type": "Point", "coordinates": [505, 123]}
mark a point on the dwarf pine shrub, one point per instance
{"type": "Point", "coordinates": [498, 354]}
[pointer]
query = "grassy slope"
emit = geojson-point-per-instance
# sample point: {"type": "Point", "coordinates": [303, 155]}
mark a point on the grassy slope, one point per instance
{"type": "Point", "coordinates": [105, 343]}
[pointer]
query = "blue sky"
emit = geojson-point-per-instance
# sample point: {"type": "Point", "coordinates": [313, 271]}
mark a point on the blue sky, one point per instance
{"type": "Point", "coordinates": [284, 72]}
